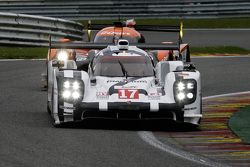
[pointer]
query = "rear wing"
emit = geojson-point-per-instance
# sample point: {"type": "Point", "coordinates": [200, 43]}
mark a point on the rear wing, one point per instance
{"type": "Point", "coordinates": [155, 28]}
{"type": "Point", "coordinates": [137, 27]}
{"type": "Point", "coordinates": [85, 45]}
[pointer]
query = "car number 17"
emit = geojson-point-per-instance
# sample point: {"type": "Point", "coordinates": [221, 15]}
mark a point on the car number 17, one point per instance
{"type": "Point", "coordinates": [128, 94]}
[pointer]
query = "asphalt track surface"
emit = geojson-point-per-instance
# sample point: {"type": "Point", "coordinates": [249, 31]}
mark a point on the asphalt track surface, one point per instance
{"type": "Point", "coordinates": [27, 137]}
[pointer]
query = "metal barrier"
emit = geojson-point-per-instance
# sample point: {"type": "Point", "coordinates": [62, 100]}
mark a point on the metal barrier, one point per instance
{"type": "Point", "coordinates": [20, 29]}
{"type": "Point", "coordinates": [110, 9]}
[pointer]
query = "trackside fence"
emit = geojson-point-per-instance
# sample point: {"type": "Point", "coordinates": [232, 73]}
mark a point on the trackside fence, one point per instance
{"type": "Point", "coordinates": [110, 9]}
{"type": "Point", "coordinates": [33, 22]}
{"type": "Point", "coordinates": [21, 29]}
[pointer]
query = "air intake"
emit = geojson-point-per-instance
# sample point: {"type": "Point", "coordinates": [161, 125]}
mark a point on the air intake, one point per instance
{"type": "Point", "coordinates": [123, 44]}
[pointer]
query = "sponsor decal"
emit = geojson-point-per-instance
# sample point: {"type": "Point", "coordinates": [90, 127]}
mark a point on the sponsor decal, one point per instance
{"type": "Point", "coordinates": [128, 94]}
{"type": "Point", "coordinates": [102, 95]}
{"type": "Point", "coordinates": [115, 33]}
{"type": "Point", "coordinates": [66, 108]}
{"type": "Point", "coordinates": [182, 74]}
{"type": "Point", "coordinates": [125, 87]}
{"type": "Point", "coordinates": [154, 96]}
{"type": "Point", "coordinates": [121, 84]}
{"type": "Point", "coordinates": [188, 109]}
{"type": "Point", "coordinates": [135, 81]}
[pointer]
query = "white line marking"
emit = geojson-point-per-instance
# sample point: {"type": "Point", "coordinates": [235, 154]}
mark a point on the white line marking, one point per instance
{"type": "Point", "coordinates": [149, 138]}
{"type": "Point", "coordinates": [225, 95]}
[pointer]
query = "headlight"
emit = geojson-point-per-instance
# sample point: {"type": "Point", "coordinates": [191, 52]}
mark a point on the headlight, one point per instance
{"type": "Point", "coordinates": [185, 91]}
{"type": "Point", "coordinates": [63, 55]}
{"type": "Point", "coordinates": [190, 95]}
{"type": "Point", "coordinates": [66, 84]}
{"type": "Point", "coordinates": [190, 85]}
{"type": "Point", "coordinates": [76, 85]}
{"type": "Point", "coordinates": [70, 90]}
{"type": "Point", "coordinates": [181, 96]}
{"type": "Point", "coordinates": [66, 94]}
{"type": "Point", "coordinates": [76, 95]}
{"type": "Point", "coordinates": [181, 86]}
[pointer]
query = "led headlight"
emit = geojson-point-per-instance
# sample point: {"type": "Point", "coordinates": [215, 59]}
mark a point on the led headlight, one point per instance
{"type": "Point", "coordinates": [76, 95]}
{"type": "Point", "coordinates": [63, 55]}
{"type": "Point", "coordinates": [190, 95]}
{"type": "Point", "coordinates": [66, 84]}
{"type": "Point", "coordinates": [181, 96]}
{"type": "Point", "coordinates": [181, 86]}
{"type": "Point", "coordinates": [185, 91]}
{"type": "Point", "coordinates": [190, 85]}
{"type": "Point", "coordinates": [70, 90]}
{"type": "Point", "coordinates": [66, 94]}
{"type": "Point", "coordinates": [76, 85]}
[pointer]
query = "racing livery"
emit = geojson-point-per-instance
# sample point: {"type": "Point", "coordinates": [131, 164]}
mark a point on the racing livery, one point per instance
{"type": "Point", "coordinates": [123, 81]}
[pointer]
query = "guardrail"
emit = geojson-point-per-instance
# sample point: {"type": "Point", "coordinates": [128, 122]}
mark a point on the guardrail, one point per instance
{"type": "Point", "coordinates": [21, 29]}
{"type": "Point", "coordinates": [107, 9]}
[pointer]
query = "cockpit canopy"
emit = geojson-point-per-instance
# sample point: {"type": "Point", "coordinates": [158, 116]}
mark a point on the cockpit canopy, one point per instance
{"type": "Point", "coordinates": [123, 63]}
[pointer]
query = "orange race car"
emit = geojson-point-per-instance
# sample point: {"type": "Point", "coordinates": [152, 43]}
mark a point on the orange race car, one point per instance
{"type": "Point", "coordinates": [110, 34]}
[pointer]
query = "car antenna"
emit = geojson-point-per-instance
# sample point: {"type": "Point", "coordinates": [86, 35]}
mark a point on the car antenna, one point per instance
{"type": "Point", "coordinates": [180, 36]}
{"type": "Point", "coordinates": [121, 32]}
{"type": "Point", "coordinates": [114, 36]}
{"type": "Point", "coordinates": [89, 30]}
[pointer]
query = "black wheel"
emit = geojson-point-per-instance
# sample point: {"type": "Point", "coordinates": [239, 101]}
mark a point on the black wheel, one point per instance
{"type": "Point", "coordinates": [57, 125]}
{"type": "Point", "coordinates": [48, 109]}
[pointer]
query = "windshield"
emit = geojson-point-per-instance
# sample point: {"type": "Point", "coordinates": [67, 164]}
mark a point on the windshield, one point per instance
{"type": "Point", "coordinates": [110, 39]}
{"type": "Point", "coordinates": [119, 66]}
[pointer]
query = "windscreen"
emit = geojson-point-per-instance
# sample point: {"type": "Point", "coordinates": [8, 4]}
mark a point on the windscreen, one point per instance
{"type": "Point", "coordinates": [111, 39]}
{"type": "Point", "coordinates": [119, 66]}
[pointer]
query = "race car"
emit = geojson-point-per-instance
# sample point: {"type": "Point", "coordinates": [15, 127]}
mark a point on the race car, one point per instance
{"type": "Point", "coordinates": [122, 81]}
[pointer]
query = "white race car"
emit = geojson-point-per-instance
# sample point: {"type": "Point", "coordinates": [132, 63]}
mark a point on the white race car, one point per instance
{"type": "Point", "coordinates": [123, 82]}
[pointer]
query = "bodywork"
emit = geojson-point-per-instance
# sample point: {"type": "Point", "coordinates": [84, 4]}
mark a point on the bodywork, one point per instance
{"type": "Point", "coordinates": [142, 95]}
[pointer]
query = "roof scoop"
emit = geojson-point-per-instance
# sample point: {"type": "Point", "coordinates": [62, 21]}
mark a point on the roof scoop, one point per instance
{"type": "Point", "coordinates": [123, 44]}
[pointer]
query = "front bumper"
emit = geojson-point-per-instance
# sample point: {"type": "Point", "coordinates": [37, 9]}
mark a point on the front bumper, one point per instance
{"type": "Point", "coordinates": [125, 111]}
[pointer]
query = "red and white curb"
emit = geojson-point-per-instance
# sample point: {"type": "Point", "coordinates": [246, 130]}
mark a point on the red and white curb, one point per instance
{"type": "Point", "coordinates": [213, 132]}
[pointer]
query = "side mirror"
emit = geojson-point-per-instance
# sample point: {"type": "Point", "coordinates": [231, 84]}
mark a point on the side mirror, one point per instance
{"type": "Point", "coordinates": [93, 81]}
{"type": "Point", "coordinates": [189, 67]}
{"type": "Point", "coordinates": [185, 56]}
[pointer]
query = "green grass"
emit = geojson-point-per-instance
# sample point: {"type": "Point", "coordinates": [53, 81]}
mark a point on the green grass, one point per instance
{"type": "Point", "coordinates": [190, 23]}
{"type": "Point", "coordinates": [240, 124]}
{"type": "Point", "coordinates": [23, 52]}
{"type": "Point", "coordinates": [36, 53]}
{"type": "Point", "coordinates": [219, 50]}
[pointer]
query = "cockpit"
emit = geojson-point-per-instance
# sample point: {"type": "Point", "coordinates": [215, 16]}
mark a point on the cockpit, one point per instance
{"type": "Point", "coordinates": [126, 63]}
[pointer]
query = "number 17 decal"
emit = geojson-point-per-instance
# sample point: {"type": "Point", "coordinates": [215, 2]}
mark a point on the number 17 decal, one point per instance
{"type": "Point", "coordinates": [128, 94]}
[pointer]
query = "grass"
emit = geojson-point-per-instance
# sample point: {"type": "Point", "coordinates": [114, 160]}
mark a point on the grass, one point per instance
{"type": "Point", "coordinates": [36, 53]}
{"type": "Point", "coordinates": [219, 50]}
{"type": "Point", "coordinates": [240, 124]}
{"type": "Point", "coordinates": [189, 23]}
{"type": "Point", "coordinates": [23, 52]}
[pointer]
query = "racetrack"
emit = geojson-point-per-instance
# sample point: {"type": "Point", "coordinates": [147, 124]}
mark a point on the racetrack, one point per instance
{"type": "Point", "coordinates": [27, 137]}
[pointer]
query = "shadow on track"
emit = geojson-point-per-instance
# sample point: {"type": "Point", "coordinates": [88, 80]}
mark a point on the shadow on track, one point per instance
{"type": "Point", "coordinates": [132, 125]}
